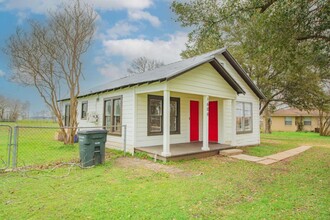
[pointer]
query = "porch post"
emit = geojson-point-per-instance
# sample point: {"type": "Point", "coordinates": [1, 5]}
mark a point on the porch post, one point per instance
{"type": "Point", "coordinates": [205, 123]}
{"type": "Point", "coordinates": [166, 124]}
{"type": "Point", "coordinates": [233, 116]}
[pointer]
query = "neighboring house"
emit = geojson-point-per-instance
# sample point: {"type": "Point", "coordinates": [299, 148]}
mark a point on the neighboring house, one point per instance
{"type": "Point", "coordinates": [288, 119]}
{"type": "Point", "coordinates": [204, 99]}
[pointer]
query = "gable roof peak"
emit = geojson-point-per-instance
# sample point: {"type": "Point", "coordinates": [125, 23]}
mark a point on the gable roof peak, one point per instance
{"type": "Point", "coordinates": [171, 70]}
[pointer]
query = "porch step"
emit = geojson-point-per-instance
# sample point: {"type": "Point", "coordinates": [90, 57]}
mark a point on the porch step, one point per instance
{"type": "Point", "coordinates": [231, 152]}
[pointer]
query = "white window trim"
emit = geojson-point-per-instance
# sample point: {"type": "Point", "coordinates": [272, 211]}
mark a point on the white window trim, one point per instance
{"type": "Point", "coordinates": [245, 131]}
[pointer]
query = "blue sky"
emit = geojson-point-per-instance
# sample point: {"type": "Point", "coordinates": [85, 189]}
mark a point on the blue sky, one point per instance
{"type": "Point", "coordinates": [126, 29]}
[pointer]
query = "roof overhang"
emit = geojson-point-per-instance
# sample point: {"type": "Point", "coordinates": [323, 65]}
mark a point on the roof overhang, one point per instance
{"type": "Point", "coordinates": [243, 74]}
{"type": "Point", "coordinates": [226, 76]}
{"type": "Point", "coordinates": [213, 62]}
{"type": "Point", "coordinates": [220, 69]}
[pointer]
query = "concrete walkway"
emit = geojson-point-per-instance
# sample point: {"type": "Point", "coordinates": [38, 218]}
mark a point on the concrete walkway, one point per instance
{"type": "Point", "coordinates": [272, 158]}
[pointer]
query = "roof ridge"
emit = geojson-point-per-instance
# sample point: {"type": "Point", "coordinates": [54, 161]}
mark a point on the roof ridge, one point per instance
{"type": "Point", "coordinates": [166, 65]}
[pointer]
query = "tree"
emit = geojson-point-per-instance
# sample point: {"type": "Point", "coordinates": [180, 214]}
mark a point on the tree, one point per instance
{"type": "Point", "coordinates": [12, 109]}
{"type": "Point", "coordinates": [3, 106]}
{"type": "Point", "coordinates": [15, 109]}
{"type": "Point", "coordinates": [322, 104]}
{"type": "Point", "coordinates": [281, 44]}
{"type": "Point", "coordinates": [25, 111]}
{"type": "Point", "coordinates": [143, 64]}
{"type": "Point", "coordinates": [49, 55]}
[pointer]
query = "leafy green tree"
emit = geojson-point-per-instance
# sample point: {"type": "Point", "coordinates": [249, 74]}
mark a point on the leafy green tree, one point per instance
{"type": "Point", "coordinates": [283, 45]}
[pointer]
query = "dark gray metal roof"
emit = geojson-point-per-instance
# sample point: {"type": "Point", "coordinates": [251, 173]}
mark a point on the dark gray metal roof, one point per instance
{"type": "Point", "coordinates": [170, 71]}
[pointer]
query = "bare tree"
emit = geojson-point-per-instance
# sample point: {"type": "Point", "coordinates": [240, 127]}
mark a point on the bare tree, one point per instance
{"type": "Point", "coordinates": [3, 106]}
{"type": "Point", "coordinates": [143, 64]}
{"type": "Point", "coordinates": [25, 110]}
{"type": "Point", "coordinates": [12, 109]}
{"type": "Point", "coordinates": [15, 107]}
{"type": "Point", "coordinates": [49, 55]}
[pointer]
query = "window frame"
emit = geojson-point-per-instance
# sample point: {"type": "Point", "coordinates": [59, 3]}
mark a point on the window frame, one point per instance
{"type": "Point", "coordinates": [161, 98]}
{"type": "Point", "coordinates": [243, 118]}
{"type": "Point", "coordinates": [285, 121]}
{"type": "Point", "coordinates": [178, 118]}
{"type": "Point", "coordinates": [82, 117]}
{"type": "Point", "coordinates": [112, 100]}
{"type": "Point", "coordinates": [310, 121]}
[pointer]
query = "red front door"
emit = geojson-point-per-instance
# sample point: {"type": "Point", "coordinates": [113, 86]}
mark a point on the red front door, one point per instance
{"type": "Point", "coordinates": [194, 121]}
{"type": "Point", "coordinates": [213, 121]}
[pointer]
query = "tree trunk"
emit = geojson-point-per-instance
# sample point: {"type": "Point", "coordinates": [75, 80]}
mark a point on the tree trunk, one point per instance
{"type": "Point", "coordinates": [300, 124]}
{"type": "Point", "coordinates": [324, 124]}
{"type": "Point", "coordinates": [268, 121]}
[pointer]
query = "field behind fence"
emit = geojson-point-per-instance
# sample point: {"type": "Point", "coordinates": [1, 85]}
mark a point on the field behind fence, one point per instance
{"type": "Point", "coordinates": [5, 138]}
{"type": "Point", "coordinates": [35, 147]}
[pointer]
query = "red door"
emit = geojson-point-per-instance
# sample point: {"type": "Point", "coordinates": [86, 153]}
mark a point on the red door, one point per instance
{"type": "Point", "coordinates": [213, 121]}
{"type": "Point", "coordinates": [194, 121]}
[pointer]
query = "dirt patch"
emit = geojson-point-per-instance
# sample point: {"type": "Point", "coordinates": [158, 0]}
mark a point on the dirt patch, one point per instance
{"type": "Point", "coordinates": [128, 162]}
{"type": "Point", "coordinates": [271, 141]}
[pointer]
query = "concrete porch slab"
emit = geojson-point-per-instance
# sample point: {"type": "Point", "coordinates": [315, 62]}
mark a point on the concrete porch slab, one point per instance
{"type": "Point", "coordinates": [183, 151]}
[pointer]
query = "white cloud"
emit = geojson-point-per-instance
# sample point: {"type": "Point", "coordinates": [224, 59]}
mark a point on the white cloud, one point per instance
{"type": "Point", "coordinates": [2, 73]}
{"type": "Point", "coordinates": [143, 15]}
{"type": "Point", "coordinates": [42, 6]}
{"type": "Point", "coordinates": [120, 29]}
{"type": "Point", "coordinates": [128, 49]}
{"type": "Point", "coordinates": [165, 50]}
{"type": "Point", "coordinates": [121, 4]}
{"type": "Point", "coordinates": [113, 71]}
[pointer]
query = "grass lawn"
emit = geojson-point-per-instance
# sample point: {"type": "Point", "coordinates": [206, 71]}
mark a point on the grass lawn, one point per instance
{"type": "Point", "coordinates": [37, 146]}
{"type": "Point", "coordinates": [297, 188]}
{"type": "Point", "coordinates": [281, 141]}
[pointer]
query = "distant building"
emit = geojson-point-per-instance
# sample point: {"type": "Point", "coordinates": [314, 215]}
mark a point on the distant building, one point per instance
{"type": "Point", "coordinates": [288, 120]}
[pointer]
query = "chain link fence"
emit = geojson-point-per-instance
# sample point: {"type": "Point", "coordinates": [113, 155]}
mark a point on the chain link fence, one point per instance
{"type": "Point", "coordinates": [5, 143]}
{"type": "Point", "coordinates": [39, 147]}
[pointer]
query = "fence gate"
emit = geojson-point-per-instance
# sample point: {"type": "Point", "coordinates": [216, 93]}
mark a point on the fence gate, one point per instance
{"type": "Point", "coordinates": [5, 146]}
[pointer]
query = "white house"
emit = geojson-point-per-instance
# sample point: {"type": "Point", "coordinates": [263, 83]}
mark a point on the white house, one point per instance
{"type": "Point", "coordinates": [202, 100]}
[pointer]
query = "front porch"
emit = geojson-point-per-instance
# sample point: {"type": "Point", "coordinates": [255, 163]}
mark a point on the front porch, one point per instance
{"type": "Point", "coordinates": [183, 151]}
{"type": "Point", "coordinates": [190, 116]}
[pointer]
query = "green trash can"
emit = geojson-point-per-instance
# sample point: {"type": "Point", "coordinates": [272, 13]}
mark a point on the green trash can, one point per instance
{"type": "Point", "coordinates": [92, 147]}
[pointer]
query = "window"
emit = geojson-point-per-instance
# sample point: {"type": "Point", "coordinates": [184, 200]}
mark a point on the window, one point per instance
{"type": "Point", "coordinates": [174, 116]}
{"type": "Point", "coordinates": [84, 107]}
{"type": "Point", "coordinates": [307, 121]}
{"type": "Point", "coordinates": [113, 115]}
{"type": "Point", "coordinates": [67, 115]}
{"type": "Point", "coordinates": [243, 117]}
{"type": "Point", "coordinates": [155, 115]}
{"type": "Point", "coordinates": [288, 120]}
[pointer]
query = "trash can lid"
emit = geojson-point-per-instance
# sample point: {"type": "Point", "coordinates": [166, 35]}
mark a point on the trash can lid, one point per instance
{"type": "Point", "coordinates": [95, 131]}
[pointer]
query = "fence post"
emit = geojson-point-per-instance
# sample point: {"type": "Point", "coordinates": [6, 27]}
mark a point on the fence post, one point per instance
{"type": "Point", "coordinates": [124, 139]}
{"type": "Point", "coordinates": [14, 165]}
{"type": "Point", "coordinates": [10, 136]}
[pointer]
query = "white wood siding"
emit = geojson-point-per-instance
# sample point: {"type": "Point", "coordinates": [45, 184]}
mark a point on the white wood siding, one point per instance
{"type": "Point", "coordinates": [96, 105]}
{"type": "Point", "coordinates": [203, 80]}
{"type": "Point", "coordinates": [250, 138]}
{"type": "Point", "coordinates": [142, 138]}
{"type": "Point", "coordinates": [192, 85]}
